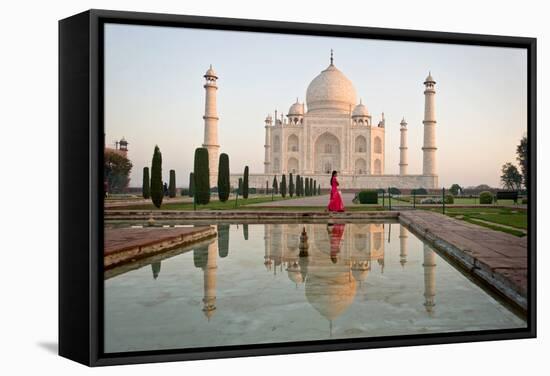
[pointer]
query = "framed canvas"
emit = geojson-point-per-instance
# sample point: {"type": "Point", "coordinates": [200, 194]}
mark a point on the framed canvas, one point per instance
{"type": "Point", "coordinates": [234, 187]}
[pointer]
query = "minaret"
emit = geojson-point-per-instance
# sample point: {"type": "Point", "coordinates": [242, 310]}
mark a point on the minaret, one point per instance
{"type": "Point", "coordinates": [209, 279]}
{"type": "Point", "coordinates": [403, 235]}
{"type": "Point", "coordinates": [429, 148]}
{"type": "Point", "coordinates": [211, 125]}
{"type": "Point", "coordinates": [267, 145]}
{"type": "Point", "coordinates": [429, 279]}
{"type": "Point", "coordinates": [403, 164]}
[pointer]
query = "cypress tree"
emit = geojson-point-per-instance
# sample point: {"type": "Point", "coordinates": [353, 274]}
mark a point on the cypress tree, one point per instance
{"type": "Point", "coordinates": [297, 189]}
{"type": "Point", "coordinates": [275, 185]}
{"type": "Point", "coordinates": [172, 184]}
{"type": "Point", "coordinates": [245, 183]}
{"type": "Point", "coordinates": [145, 189]}
{"type": "Point", "coordinates": [283, 186]}
{"type": "Point", "coordinates": [290, 185]}
{"type": "Point", "coordinates": [223, 178]}
{"type": "Point", "coordinates": [240, 188]}
{"type": "Point", "coordinates": [314, 188]}
{"type": "Point", "coordinates": [267, 187]}
{"type": "Point", "coordinates": [191, 184]}
{"type": "Point", "coordinates": [245, 231]}
{"type": "Point", "coordinates": [307, 187]}
{"type": "Point", "coordinates": [201, 177]}
{"type": "Point", "coordinates": [223, 240]}
{"type": "Point", "coordinates": [157, 191]}
{"type": "Point", "coordinates": [319, 190]}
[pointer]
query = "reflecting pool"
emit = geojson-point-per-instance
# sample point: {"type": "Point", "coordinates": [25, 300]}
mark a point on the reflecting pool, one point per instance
{"type": "Point", "coordinates": [250, 285]}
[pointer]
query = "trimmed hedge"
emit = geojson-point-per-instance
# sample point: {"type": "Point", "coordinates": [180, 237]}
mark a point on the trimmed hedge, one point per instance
{"type": "Point", "coordinates": [368, 197]}
{"type": "Point", "coordinates": [145, 188]}
{"type": "Point", "coordinates": [394, 191]}
{"type": "Point", "coordinates": [245, 183]}
{"type": "Point", "coordinates": [201, 176]}
{"type": "Point", "coordinates": [419, 191]}
{"type": "Point", "coordinates": [485, 197]}
{"type": "Point", "coordinates": [223, 177]}
{"type": "Point", "coordinates": [172, 185]}
{"type": "Point", "coordinates": [157, 192]}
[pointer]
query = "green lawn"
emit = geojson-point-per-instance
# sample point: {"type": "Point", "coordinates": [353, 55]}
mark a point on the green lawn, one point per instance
{"type": "Point", "coordinates": [497, 216]}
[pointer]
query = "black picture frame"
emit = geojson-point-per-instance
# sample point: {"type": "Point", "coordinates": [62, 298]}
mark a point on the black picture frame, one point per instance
{"type": "Point", "coordinates": [81, 189]}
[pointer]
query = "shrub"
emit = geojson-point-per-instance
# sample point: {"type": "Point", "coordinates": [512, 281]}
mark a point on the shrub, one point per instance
{"type": "Point", "coordinates": [223, 177]}
{"type": "Point", "coordinates": [394, 191]}
{"type": "Point", "coordinates": [172, 184]}
{"type": "Point", "coordinates": [283, 186]}
{"type": "Point", "coordinates": [191, 188]}
{"type": "Point", "coordinates": [145, 188]}
{"type": "Point", "coordinates": [245, 183]}
{"type": "Point", "coordinates": [157, 192]}
{"type": "Point", "coordinates": [485, 197]}
{"type": "Point", "coordinates": [449, 198]}
{"type": "Point", "coordinates": [431, 200]}
{"type": "Point", "coordinates": [524, 201]}
{"type": "Point", "coordinates": [419, 191]}
{"type": "Point", "coordinates": [275, 185]}
{"type": "Point", "coordinates": [380, 191]}
{"type": "Point", "coordinates": [368, 197]}
{"type": "Point", "coordinates": [201, 177]}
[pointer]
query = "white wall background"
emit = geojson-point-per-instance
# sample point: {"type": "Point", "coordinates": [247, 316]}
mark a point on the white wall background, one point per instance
{"type": "Point", "coordinates": [28, 90]}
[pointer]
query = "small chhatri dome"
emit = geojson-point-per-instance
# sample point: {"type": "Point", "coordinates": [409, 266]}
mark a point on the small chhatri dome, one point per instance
{"type": "Point", "coordinates": [360, 110]}
{"type": "Point", "coordinates": [210, 73]}
{"type": "Point", "coordinates": [429, 79]}
{"type": "Point", "coordinates": [296, 109]}
{"type": "Point", "coordinates": [403, 123]}
{"type": "Point", "coordinates": [330, 91]}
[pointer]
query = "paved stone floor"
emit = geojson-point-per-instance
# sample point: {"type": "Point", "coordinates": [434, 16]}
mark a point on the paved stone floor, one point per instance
{"type": "Point", "coordinates": [309, 201]}
{"type": "Point", "coordinates": [497, 257]}
{"type": "Point", "coordinates": [121, 239]}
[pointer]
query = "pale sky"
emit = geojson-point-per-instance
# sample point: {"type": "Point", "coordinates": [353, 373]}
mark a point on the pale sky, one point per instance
{"type": "Point", "coordinates": [154, 95]}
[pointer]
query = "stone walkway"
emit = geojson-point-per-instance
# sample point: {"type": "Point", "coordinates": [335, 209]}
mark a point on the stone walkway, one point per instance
{"type": "Point", "coordinates": [496, 258]}
{"type": "Point", "coordinates": [308, 201]}
{"type": "Point", "coordinates": [122, 245]}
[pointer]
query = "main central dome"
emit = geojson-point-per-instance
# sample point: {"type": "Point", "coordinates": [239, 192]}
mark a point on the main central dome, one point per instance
{"type": "Point", "coordinates": [331, 90]}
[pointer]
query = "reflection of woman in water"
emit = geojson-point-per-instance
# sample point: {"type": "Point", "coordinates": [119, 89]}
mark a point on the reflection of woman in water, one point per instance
{"type": "Point", "coordinates": [336, 232]}
{"type": "Point", "coordinates": [335, 204]}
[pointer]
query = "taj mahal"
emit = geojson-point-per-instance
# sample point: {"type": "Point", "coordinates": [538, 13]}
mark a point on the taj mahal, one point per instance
{"type": "Point", "coordinates": [332, 130]}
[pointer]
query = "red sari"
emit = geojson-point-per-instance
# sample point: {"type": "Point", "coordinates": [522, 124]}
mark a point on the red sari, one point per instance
{"type": "Point", "coordinates": [336, 204]}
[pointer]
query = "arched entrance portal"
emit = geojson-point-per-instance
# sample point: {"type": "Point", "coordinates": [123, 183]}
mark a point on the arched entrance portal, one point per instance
{"type": "Point", "coordinates": [327, 153]}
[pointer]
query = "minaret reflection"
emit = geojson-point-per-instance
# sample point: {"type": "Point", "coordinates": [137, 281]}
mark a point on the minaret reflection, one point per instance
{"type": "Point", "coordinates": [403, 235]}
{"type": "Point", "coordinates": [429, 279]}
{"type": "Point", "coordinates": [206, 257]}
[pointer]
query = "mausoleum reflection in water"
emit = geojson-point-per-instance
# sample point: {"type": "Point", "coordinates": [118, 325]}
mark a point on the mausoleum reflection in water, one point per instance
{"type": "Point", "coordinates": [330, 268]}
{"type": "Point", "coordinates": [342, 272]}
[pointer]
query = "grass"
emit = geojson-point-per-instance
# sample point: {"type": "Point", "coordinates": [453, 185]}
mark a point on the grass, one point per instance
{"type": "Point", "coordinates": [497, 216]}
{"type": "Point", "coordinates": [495, 227]}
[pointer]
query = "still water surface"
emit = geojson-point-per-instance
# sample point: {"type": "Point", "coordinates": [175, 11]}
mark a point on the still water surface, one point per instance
{"type": "Point", "coordinates": [249, 285]}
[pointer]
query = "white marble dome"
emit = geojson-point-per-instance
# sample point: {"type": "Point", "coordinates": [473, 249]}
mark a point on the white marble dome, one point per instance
{"type": "Point", "coordinates": [296, 109]}
{"type": "Point", "coordinates": [360, 110]}
{"type": "Point", "coordinates": [331, 91]}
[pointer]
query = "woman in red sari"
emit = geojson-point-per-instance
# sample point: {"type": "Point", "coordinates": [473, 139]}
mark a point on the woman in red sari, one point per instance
{"type": "Point", "coordinates": [336, 204]}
